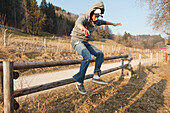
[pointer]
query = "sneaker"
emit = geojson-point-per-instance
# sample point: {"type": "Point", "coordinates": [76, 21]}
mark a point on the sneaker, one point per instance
{"type": "Point", "coordinates": [99, 81]}
{"type": "Point", "coordinates": [81, 88]}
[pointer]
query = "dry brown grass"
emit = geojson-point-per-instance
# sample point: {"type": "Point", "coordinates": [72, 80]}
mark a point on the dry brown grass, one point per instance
{"type": "Point", "coordinates": [26, 48]}
{"type": "Point", "coordinates": [146, 92]}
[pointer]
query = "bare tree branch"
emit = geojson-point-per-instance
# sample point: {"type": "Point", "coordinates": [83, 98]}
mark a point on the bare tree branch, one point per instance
{"type": "Point", "coordinates": [160, 15]}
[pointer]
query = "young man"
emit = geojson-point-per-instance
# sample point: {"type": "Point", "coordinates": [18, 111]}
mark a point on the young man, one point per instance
{"type": "Point", "coordinates": [84, 26]}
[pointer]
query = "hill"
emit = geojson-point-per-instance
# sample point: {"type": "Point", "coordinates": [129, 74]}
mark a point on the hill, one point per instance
{"type": "Point", "coordinates": [150, 41]}
{"type": "Point", "coordinates": [33, 19]}
{"type": "Point", "coordinates": [67, 14]}
{"type": "Point", "coordinates": [141, 41]}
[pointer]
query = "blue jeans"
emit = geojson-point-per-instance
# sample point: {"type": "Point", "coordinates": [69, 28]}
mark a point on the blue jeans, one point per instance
{"type": "Point", "coordinates": [85, 50]}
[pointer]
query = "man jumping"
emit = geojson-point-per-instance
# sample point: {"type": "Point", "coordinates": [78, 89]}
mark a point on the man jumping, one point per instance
{"type": "Point", "coordinates": [84, 26]}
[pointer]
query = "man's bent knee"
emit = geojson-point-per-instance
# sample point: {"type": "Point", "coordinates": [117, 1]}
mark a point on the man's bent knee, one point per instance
{"type": "Point", "coordinates": [100, 54]}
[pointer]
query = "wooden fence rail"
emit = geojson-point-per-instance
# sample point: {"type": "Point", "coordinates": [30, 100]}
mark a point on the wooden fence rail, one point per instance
{"type": "Point", "coordinates": [31, 65]}
{"type": "Point", "coordinates": [7, 93]}
{"type": "Point", "coordinates": [38, 88]}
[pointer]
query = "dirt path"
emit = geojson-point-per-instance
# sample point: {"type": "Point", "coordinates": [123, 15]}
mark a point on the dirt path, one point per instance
{"type": "Point", "coordinates": [38, 79]}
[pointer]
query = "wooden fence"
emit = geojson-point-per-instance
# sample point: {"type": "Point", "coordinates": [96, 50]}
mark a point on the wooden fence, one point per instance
{"type": "Point", "coordinates": [7, 74]}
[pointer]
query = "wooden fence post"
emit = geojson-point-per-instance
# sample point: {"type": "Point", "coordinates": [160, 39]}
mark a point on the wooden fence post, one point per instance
{"type": "Point", "coordinates": [1, 86]}
{"type": "Point", "coordinates": [112, 50]}
{"type": "Point", "coordinates": [5, 38]}
{"type": "Point", "coordinates": [119, 50]}
{"type": "Point", "coordinates": [45, 44]}
{"type": "Point", "coordinates": [71, 49]}
{"type": "Point", "coordinates": [157, 57]}
{"type": "Point", "coordinates": [122, 74]}
{"type": "Point", "coordinates": [102, 47]}
{"type": "Point", "coordinates": [8, 87]}
{"type": "Point", "coordinates": [166, 57]}
{"type": "Point", "coordinates": [151, 58]}
{"type": "Point", "coordinates": [140, 58]}
{"type": "Point", "coordinates": [129, 67]}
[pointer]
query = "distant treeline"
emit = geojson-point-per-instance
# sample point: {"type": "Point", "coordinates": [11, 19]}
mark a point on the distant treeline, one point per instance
{"type": "Point", "coordinates": [140, 41]}
{"type": "Point", "coordinates": [31, 18]}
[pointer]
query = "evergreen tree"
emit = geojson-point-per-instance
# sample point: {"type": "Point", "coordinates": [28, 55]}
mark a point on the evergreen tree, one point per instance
{"type": "Point", "coordinates": [13, 11]}
{"type": "Point", "coordinates": [26, 19]}
{"type": "Point", "coordinates": [28, 4]}
{"type": "Point", "coordinates": [43, 6]}
{"type": "Point", "coordinates": [52, 20]}
{"type": "Point", "coordinates": [32, 11]}
{"type": "Point", "coordinates": [44, 9]}
{"type": "Point", "coordinates": [26, 15]}
{"type": "Point", "coordinates": [40, 17]}
{"type": "Point", "coordinates": [125, 36]}
{"type": "Point", "coordinates": [36, 18]}
{"type": "Point", "coordinates": [126, 39]}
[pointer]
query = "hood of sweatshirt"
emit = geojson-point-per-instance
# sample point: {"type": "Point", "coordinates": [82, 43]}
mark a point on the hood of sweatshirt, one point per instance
{"type": "Point", "coordinates": [85, 18]}
{"type": "Point", "coordinates": [98, 5]}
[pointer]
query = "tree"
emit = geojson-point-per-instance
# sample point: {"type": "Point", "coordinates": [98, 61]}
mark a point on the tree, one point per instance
{"type": "Point", "coordinates": [43, 6]}
{"type": "Point", "coordinates": [126, 39]}
{"type": "Point", "coordinates": [125, 36]}
{"type": "Point", "coordinates": [37, 19]}
{"type": "Point", "coordinates": [118, 38]}
{"type": "Point", "coordinates": [107, 32]}
{"type": "Point", "coordinates": [33, 19]}
{"type": "Point", "coordinates": [44, 9]}
{"type": "Point", "coordinates": [27, 16]}
{"type": "Point", "coordinates": [40, 17]}
{"type": "Point", "coordinates": [160, 15]}
{"type": "Point", "coordinates": [13, 11]}
{"type": "Point", "coordinates": [26, 20]}
{"type": "Point", "coordinates": [2, 23]}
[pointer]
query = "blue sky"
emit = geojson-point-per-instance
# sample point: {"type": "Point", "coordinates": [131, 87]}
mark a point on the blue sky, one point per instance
{"type": "Point", "coordinates": [130, 13]}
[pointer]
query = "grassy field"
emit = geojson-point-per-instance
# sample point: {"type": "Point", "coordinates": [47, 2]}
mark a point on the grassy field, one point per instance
{"type": "Point", "coordinates": [27, 48]}
{"type": "Point", "coordinates": [146, 92]}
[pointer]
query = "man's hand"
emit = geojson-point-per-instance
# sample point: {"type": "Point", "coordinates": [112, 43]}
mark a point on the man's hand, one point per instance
{"type": "Point", "coordinates": [85, 30]}
{"type": "Point", "coordinates": [118, 24]}
{"type": "Point", "coordinates": [114, 24]}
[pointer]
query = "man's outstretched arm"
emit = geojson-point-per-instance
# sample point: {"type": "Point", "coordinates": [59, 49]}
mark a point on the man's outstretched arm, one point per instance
{"type": "Point", "coordinates": [114, 24]}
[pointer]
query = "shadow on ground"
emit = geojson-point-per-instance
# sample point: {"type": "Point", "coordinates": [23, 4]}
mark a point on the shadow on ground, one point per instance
{"type": "Point", "coordinates": [119, 96]}
{"type": "Point", "coordinates": [150, 101]}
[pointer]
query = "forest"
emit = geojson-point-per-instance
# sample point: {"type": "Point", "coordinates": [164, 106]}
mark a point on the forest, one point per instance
{"type": "Point", "coordinates": [33, 19]}
{"type": "Point", "coordinates": [47, 19]}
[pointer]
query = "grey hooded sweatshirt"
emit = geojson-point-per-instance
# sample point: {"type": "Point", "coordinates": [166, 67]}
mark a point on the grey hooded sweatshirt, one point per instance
{"type": "Point", "coordinates": [85, 19]}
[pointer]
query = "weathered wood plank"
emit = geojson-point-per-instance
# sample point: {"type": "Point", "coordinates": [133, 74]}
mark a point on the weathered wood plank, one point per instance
{"type": "Point", "coordinates": [31, 65]}
{"type": "Point", "coordinates": [8, 87]}
{"type": "Point", "coordinates": [1, 86]}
